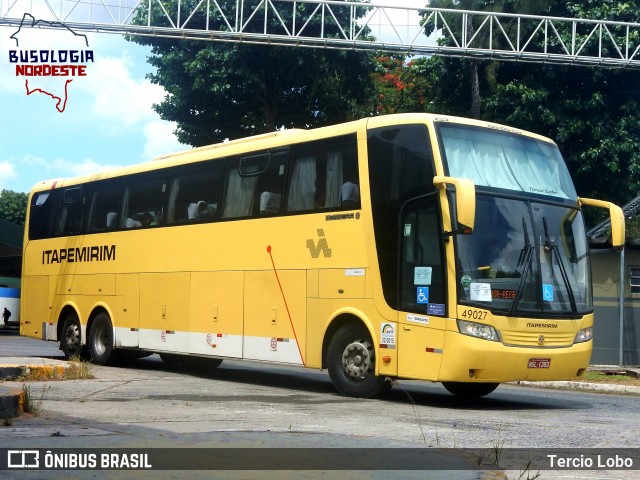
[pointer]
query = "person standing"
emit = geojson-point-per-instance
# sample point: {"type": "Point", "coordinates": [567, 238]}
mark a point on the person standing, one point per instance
{"type": "Point", "coordinates": [6, 315]}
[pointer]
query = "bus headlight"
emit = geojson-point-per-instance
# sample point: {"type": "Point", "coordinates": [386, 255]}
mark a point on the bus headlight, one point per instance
{"type": "Point", "coordinates": [584, 335]}
{"type": "Point", "coordinates": [478, 330]}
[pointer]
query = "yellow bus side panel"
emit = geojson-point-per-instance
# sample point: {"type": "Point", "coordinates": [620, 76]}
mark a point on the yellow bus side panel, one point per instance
{"type": "Point", "coordinates": [99, 284]}
{"type": "Point", "coordinates": [126, 310]}
{"type": "Point", "coordinates": [342, 283]}
{"type": "Point", "coordinates": [164, 311]}
{"type": "Point", "coordinates": [36, 311]}
{"type": "Point", "coordinates": [216, 322]}
{"type": "Point", "coordinates": [68, 284]}
{"type": "Point", "coordinates": [269, 333]}
{"type": "Point", "coordinates": [420, 349]}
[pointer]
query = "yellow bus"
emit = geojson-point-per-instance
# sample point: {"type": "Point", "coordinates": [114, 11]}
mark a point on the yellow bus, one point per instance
{"type": "Point", "coordinates": [404, 246]}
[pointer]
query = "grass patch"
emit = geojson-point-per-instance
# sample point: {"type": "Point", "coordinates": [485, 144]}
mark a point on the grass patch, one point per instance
{"type": "Point", "coordinates": [33, 401]}
{"type": "Point", "coordinates": [610, 377]}
{"type": "Point", "coordinates": [76, 369]}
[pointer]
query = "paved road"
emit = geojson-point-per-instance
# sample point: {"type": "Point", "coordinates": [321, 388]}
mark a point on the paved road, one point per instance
{"type": "Point", "coordinates": [256, 405]}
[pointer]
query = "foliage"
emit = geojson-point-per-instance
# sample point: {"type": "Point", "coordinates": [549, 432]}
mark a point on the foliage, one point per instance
{"type": "Point", "coordinates": [228, 90]}
{"type": "Point", "coordinates": [13, 206]}
{"type": "Point", "coordinates": [591, 112]}
{"type": "Point", "coordinates": [401, 85]}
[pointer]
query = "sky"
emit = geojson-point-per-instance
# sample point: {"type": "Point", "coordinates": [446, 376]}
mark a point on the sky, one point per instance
{"type": "Point", "coordinates": [108, 119]}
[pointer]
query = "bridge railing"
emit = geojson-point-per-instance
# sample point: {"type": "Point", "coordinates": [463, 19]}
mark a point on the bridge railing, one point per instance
{"type": "Point", "coordinates": [388, 27]}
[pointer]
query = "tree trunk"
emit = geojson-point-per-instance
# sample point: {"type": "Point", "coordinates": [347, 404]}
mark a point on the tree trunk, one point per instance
{"type": "Point", "coordinates": [475, 89]}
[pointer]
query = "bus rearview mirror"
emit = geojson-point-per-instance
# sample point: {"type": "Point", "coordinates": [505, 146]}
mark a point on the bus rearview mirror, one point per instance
{"type": "Point", "coordinates": [465, 202]}
{"type": "Point", "coordinates": [616, 217]}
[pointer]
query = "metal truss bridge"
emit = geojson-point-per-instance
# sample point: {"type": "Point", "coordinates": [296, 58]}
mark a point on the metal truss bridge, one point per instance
{"type": "Point", "coordinates": [374, 26]}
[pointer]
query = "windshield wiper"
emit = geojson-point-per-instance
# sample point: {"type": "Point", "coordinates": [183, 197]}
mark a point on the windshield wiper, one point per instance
{"type": "Point", "coordinates": [524, 263]}
{"type": "Point", "coordinates": [553, 248]}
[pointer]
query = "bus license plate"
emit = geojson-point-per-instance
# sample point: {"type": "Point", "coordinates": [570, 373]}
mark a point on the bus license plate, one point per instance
{"type": "Point", "coordinates": [539, 362]}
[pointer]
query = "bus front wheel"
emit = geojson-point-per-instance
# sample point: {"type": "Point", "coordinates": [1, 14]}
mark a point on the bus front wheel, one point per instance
{"type": "Point", "coordinates": [71, 341]}
{"type": "Point", "coordinates": [351, 363]}
{"type": "Point", "coordinates": [100, 340]}
{"type": "Point", "coordinates": [470, 390]}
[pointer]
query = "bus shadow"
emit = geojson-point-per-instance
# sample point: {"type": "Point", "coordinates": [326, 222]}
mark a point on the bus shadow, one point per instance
{"type": "Point", "coordinates": [424, 394]}
{"type": "Point", "coordinates": [503, 399]}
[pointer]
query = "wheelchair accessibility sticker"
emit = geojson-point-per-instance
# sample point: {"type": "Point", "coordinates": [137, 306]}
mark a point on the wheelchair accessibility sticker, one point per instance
{"type": "Point", "coordinates": [422, 294]}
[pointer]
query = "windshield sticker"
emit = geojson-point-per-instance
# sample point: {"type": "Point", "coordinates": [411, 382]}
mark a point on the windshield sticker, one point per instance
{"type": "Point", "coordinates": [480, 292]}
{"type": "Point", "coordinates": [417, 319]}
{"type": "Point", "coordinates": [422, 295]}
{"type": "Point", "coordinates": [547, 292]}
{"type": "Point", "coordinates": [465, 281]}
{"type": "Point", "coordinates": [422, 275]}
{"type": "Point", "coordinates": [435, 309]}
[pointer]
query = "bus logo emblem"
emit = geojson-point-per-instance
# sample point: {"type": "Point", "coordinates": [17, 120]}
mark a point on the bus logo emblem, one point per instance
{"type": "Point", "coordinates": [541, 340]}
{"type": "Point", "coordinates": [321, 246]}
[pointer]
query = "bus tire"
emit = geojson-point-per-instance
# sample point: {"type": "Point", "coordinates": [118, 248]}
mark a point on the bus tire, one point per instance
{"type": "Point", "coordinates": [351, 362]}
{"type": "Point", "coordinates": [100, 341]}
{"type": "Point", "coordinates": [470, 390]}
{"type": "Point", "coordinates": [71, 341]}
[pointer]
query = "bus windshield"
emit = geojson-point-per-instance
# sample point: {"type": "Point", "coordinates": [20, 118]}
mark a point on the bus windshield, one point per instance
{"type": "Point", "coordinates": [526, 258]}
{"type": "Point", "coordinates": [494, 158]}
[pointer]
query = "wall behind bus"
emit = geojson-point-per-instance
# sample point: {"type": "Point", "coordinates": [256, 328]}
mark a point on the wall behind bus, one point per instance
{"type": "Point", "coordinates": [10, 298]}
{"type": "Point", "coordinates": [605, 265]}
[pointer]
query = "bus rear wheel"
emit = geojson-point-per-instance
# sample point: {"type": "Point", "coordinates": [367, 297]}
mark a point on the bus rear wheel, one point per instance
{"type": "Point", "coordinates": [71, 341]}
{"type": "Point", "coordinates": [351, 363]}
{"type": "Point", "coordinates": [470, 390]}
{"type": "Point", "coordinates": [100, 341]}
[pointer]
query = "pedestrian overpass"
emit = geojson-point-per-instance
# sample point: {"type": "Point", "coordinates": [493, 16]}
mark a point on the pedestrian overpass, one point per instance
{"type": "Point", "coordinates": [379, 25]}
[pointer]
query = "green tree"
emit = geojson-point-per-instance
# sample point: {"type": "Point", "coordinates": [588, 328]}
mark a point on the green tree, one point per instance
{"type": "Point", "coordinates": [13, 206]}
{"type": "Point", "coordinates": [401, 85]}
{"type": "Point", "coordinates": [469, 78]}
{"type": "Point", "coordinates": [592, 113]}
{"type": "Point", "coordinates": [228, 90]}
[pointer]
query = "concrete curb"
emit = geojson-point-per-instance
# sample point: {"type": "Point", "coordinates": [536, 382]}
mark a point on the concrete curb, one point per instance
{"type": "Point", "coordinates": [586, 387]}
{"type": "Point", "coordinates": [11, 402]}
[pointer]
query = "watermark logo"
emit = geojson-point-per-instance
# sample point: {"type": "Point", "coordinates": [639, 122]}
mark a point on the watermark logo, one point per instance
{"type": "Point", "coordinates": [23, 459]}
{"type": "Point", "coordinates": [46, 70]}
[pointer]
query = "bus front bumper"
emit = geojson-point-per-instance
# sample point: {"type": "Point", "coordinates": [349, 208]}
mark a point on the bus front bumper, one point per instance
{"type": "Point", "coordinates": [469, 359]}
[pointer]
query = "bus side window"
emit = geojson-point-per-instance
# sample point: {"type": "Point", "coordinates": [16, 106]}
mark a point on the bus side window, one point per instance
{"type": "Point", "coordinates": [302, 189]}
{"type": "Point", "coordinates": [71, 212]}
{"type": "Point", "coordinates": [254, 184]}
{"type": "Point", "coordinates": [41, 214]}
{"type": "Point", "coordinates": [271, 184]}
{"type": "Point", "coordinates": [104, 207]}
{"type": "Point", "coordinates": [144, 202]}
{"type": "Point", "coordinates": [239, 193]}
{"type": "Point", "coordinates": [195, 193]}
{"type": "Point", "coordinates": [324, 176]}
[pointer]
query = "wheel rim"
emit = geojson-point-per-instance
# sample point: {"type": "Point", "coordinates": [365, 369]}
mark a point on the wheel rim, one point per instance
{"type": "Point", "coordinates": [100, 339]}
{"type": "Point", "coordinates": [357, 359]}
{"type": "Point", "coordinates": [72, 338]}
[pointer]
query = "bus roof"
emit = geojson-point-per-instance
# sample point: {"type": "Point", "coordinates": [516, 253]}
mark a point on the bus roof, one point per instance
{"type": "Point", "coordinates": [272, 140]}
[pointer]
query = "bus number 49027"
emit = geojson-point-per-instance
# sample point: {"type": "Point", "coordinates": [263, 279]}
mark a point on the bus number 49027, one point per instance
{"type": "Point", "coordinates": [474, 314]}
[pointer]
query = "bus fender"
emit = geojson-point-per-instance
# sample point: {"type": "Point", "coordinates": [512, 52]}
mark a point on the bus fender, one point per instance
{"type": "Point", "coordinates": [341, 317]}
{"type": "Point", "coordinates": [67, 307]}
{"type": "Point", "coordinates": [95, 310]}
